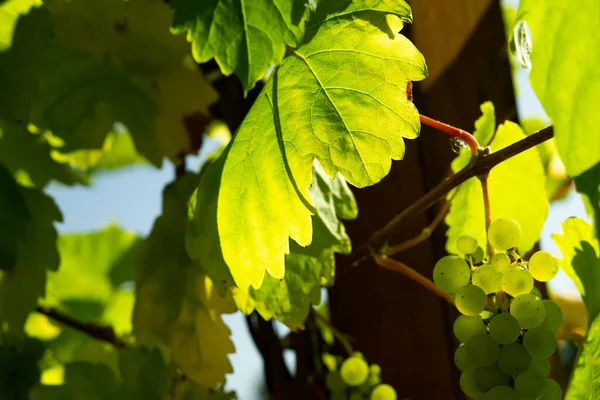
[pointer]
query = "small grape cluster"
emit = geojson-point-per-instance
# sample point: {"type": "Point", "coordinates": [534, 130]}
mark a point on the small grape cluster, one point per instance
{"type": "Point", "coordinates": [356, 380]}
{"type": "Point", "coordinates": [507, 330]}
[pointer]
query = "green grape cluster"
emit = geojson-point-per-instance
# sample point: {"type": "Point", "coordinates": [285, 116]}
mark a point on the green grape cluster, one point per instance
{"type": "Point", "coordinates": [354, 379]}
{"type": "Point", "coordinates": [507, 331]}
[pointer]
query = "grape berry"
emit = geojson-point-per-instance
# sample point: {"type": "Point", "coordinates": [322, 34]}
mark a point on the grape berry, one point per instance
{"type": "Point", "coordinates": [355, 379]}
{"type": "Point", "coordinates": [507, 330]}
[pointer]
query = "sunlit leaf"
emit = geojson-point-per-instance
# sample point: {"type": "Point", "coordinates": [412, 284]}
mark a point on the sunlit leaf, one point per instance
{"type": "Point", "coordinates": [29, 153]}
{"type": "Point", "coordinates": [516, 190]}
{"type": "Point", "coordinates": [581, 261]}
{"type": "Point", "coordinates": [93, 265]}
{"type": "Point", "coordinates": [176, 303]}
{"type": "Point", "coordinates": [352, 74]}
{"type": "Point", "coordinates": [244, 37]}
{"type": "Point", "coordinates": [97, 63]}
{"type": "Point", "coordinates": [143, 376]}
{"type": "Point", "coordinates": [10, 10]}
{"type": "Point", "coordinates": [588, 185]}
{"type": "Point", "coordinates": [564, 74]}
{"type": "Point", "coordinates": [307, 269]}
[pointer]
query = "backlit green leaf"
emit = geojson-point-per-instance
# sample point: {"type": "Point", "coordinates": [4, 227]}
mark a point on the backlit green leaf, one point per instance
{"type": "Point", "coordinates": [143, 376]}
{"type": "Point", "coordinates": [177, 305]}
{"type": "Point", "coordinates": [93, 265]}
{"type": "Point", "coordinates": [307, 269]}
{"type": "Point", "coordinates": [96, 63]}
{"type": "Point", "coordinates": [29, 156]}
{"type": "Point", "coordinates": [245, 37]}
{"type": "Point", "coordinates": [564, 74]}
{"type": "Point", "coordinates": [581, 261]}
{"type": "Point", "coordinates": [516, 190]}
{"type": "Point", "coordinates": [10, 10]}
{"type": "Point", "coordinates": [340, 98]}
{"type": "Point", "coordinates": [588, 185]}
{"type": "Point", "coordinates": [580, 252]}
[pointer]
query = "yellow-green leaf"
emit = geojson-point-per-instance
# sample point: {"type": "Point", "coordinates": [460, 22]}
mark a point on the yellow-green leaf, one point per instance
{"type": "Point", "coordinates": [516, 190]}
{"type": "Point", "coordinates": [564, 74]}
{"type": "Point", "coordinates": [340, 98]}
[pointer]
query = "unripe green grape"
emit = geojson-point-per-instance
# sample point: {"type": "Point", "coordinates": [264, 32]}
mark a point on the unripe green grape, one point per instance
{"type": "Point", "coordinates": [528, 310]}
{"type": "Point", "coordinates": [451, 273]}
{"type": "Point", "coordinates": [552, 390]}
{"type": "Point", "coordinates": [383, 392]}
{"type": "Point", "coordinates": [483, 350]}
{"type": "Point", "coordinates": [540, 342]}
{"type": "Point", "coordinates": [487, 278]}
{"type": "Point", "coordinates": [477, 256]}
{"type": "Point", "coordinates": [536, 292]}
{"type": "Point", "coordinates": [554, 315]}
{"type": "Point", "coordinates": [470, 300]}
{"type": "Point", "coordinates": [462, 360]}
{"type": "Point", "coordinates": [469, 386]}
{"type": "Point", "coordinates": [334, 381]}
{"type": "Point", "coordinates": [465, 327]}
{"type": "Point", "coordinates": [517, 281]}
{"type": "Point", "coordinates": [541, 365]}
{"type": "Point", "coordinates": [543, 266]}
{"type": "Point", "coordinates": [354, 371]}
{"type": "Point", "coordinates": [504, 234]}
{"type": "Point", "coordinates": [466, 244]}
{"type": "Point", "coordinates": [500, 262]}
{"type": "Point", "coordinates": [530, 383]}
{"type": "Point", "coordinates": [504, 328]}
{"type": "Point", "coordinates": [502, 393]}
{"type": "Point", "coordinates": [489, 377]}
{"type": "Point", "coordinates": [357, 354]}
{"type": "Point", "coordinates": [374, 369]}
{"type": "Point", "coordinates": [513, 359]}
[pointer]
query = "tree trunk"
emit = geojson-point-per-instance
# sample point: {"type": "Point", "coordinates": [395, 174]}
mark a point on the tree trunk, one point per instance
{"type": "Point", "coordinates": [395, 322]}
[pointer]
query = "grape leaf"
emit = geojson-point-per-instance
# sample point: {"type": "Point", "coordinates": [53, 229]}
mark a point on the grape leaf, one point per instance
{"type": "Point", "coordinates": [27, 153]}
{"type": "Point", "coordinates": [13, 219]}
{"type": "Point", "coordinates": [10, 10]}
{"type": "Point", "coordinates": [516, 190]}
{"type": "Point", "coordinates": [21, 286]}
{"type": "Point", "coordinates": [353, 73]}
{"type": "Point", "coordinates": [588, 185]}
{"type": "Point", "coordinates": [19, 370]}
{"type": "Point", "coordinates": [176, 303]}
{"type": "Point", "coordinates": [97, 63]}
{"type": "Point", "coordinates": [143, 376]}
{"type": "Point", "coordinates": [117, 151]}
{"type": "Point", "coordinates": [144, 372]}
{"type": "Point", "coordinates": [244, 37]}
{"type": "Point", "coordinates": [579, 248]}
{"type": "Point", "coordinates": [564, 75]}
{"type": "Point", "coordinates": [307, 269]}
{"type": "Point", "coordinates": [93, 265]}
{"type": "Point", "coordinates": [581, 262]}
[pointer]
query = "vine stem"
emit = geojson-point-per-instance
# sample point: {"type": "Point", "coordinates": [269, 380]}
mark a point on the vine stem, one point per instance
{"type": "Point", "coordinates": [488, 209]}
{"type": "Point", "coordinates": [397, 266]}
{"type": "Point", "coordinates": [424, 235]}
{"type": "Point", "coordinates": [341, 337]}
{"type": "Point", "coordinates": [481, 165]}
{"type": "Point", "coordinates": [458, 133]}
{"type": "Point", "coordinates": [103, 333]}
